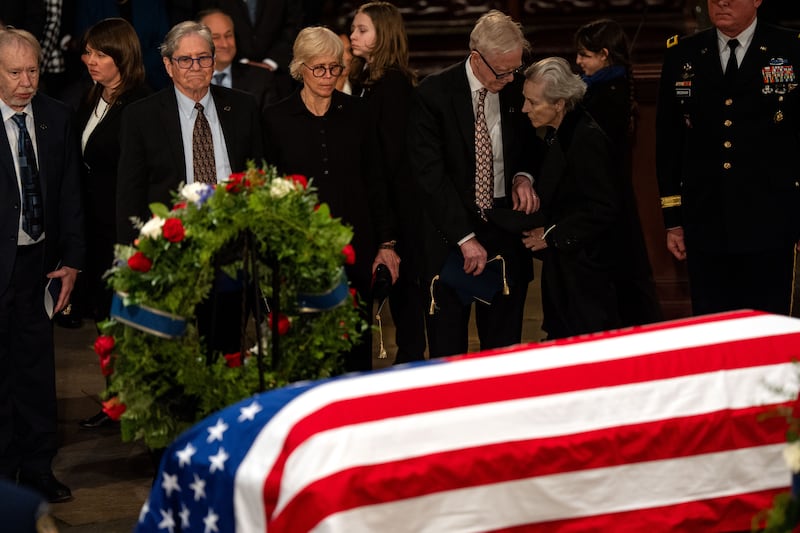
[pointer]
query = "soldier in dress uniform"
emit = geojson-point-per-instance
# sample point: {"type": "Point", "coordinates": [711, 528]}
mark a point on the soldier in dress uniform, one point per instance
{"type": "Point", "coordinates": [728, 159]}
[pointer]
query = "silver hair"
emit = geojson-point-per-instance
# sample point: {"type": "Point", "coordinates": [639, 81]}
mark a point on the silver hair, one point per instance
{"type": "Point", "coordinates": [9, 35]}
{"type": "Point", "coordinates": [183, 29]}
{"type": "Point", "coordinates": [497, 33]}
{"type": "Point", "coordinates": [559, 81]}
{"type": "Point", "coordinates": [312, 42]}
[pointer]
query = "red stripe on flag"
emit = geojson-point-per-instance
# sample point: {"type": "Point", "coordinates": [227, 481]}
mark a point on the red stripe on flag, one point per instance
{"type": "Point", "coordinates": [635, 369]}
{"type": "Point", "coordinates": [509, 461]}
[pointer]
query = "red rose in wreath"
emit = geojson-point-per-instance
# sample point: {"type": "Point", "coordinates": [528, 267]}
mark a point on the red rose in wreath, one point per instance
{"type": "Point", "coordinates": [173, 230]}
{"type": "Point", "coordinates": [349, 254]}
{"type": "Point", "coordinates": [283, 323]}
{"type": "Point", "coordinates": [140, 262]}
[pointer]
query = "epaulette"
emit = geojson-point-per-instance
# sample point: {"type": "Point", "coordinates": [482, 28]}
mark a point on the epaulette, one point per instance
{"type": "Point", "coordinates": [672, 41]}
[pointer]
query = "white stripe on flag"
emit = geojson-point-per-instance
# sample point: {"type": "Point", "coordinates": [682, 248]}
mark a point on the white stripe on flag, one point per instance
{"type": "Point", "coordinates": [266, 448]}
{"type": "Point", "coordinates": [555, 415]}
{"type": "Point", "coordinates": [575, 494]}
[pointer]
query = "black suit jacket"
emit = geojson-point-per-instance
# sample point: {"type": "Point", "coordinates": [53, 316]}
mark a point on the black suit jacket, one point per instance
{"type": "Point", "coordinates": [257, 81]}
{"type": "Point", "coordinates": [441, 137]}
{"type": "Point", "coordinates": [151, 164]}
{"type": "Point", "coordinates": [272, 36]}
{"type": "Point", "coordinates": [57, 151]}
{"type": "Point", "coordinates": [751, 127]}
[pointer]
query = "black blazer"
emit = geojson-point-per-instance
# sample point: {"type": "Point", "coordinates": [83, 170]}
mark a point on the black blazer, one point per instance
{"type": "Point", "coordinates": [272, 36]}
{"type": "Point", "coordinates": [441, 137]}
{"type": "Point", "coordinates": [754, 205]}
{"type": "Point", "coordinates": [57, 151]}
{"type": "Point", "coordinates": [101, 159]}
{"type": "Point", "coordinates": [151, 164]}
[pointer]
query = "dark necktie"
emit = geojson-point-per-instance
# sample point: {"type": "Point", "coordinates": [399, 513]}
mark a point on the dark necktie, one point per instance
{"type": "Point", "coordinates": [484, 160]}
{"type": "Point", "coordinates": [219, 77]}
{"type": "Point", "coordinates": [252, 5]}
{"type": "Point", "coordinates": [205, 170]}
{"type": "Point", "coordinates": [733, 66]}
{"type": "Point", "coordinates": [32, 205]}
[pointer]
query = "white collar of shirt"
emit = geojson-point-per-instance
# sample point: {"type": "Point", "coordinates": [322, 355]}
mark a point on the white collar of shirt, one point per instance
{"type": "Point", "coordinates": [186, 104]}
{"type": "Point", "coordinates": [744, 38]}
{"type": "Point", "coordinates": [7, 113]}
{"type": "Point", "coordinates": [227, 81]}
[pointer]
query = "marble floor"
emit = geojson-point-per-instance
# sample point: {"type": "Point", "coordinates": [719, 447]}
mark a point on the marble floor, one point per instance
{"type": "Point", "coordinates": [110, 479]}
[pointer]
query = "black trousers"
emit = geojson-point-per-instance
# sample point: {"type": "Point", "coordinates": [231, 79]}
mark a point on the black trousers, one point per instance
{"type": "Point", "coordinates": [729, 281]}
{"type": "Point", "coordinates": [498, 324]}
{"type": "Point", "coordinates": [28, 417]}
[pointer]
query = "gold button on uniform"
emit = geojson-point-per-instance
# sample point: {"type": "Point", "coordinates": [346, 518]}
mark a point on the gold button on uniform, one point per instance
{"type": "Point", "coordinates": [728, 123]}
{"type": "Point", "coordinates": [729, 101]}
{"type": "Point", "coordinates": [727, 144]}
{"type": "Point", "coordinates": [726, 166]}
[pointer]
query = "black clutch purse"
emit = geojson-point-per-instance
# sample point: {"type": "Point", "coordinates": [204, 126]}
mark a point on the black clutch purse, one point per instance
{"type": "Point", "coordinates": [471, 288]}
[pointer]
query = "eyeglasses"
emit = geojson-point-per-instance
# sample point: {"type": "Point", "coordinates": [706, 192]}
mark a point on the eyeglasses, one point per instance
{"type": "Point", "coordinates": [319, 71]}
{"type": "Point", "coordinates": [186, 62]}
{"type": "Point", "coordinates": [501, 75]}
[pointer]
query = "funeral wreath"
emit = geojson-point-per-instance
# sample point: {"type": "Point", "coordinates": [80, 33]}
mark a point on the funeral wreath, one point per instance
{"type": "Point", "coordinates": [265, 229]}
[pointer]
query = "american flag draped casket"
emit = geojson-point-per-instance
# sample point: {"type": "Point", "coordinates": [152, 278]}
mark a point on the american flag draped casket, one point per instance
{"type": "Point", "coordinates": [650, 429]}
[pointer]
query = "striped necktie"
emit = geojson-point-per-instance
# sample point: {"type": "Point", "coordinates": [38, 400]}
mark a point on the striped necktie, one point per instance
{"type": "Point", "coordinates": [32, 203]}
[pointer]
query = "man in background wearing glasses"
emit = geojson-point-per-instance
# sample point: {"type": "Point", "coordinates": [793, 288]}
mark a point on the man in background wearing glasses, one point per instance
{"type": "Point", "coordinates": [470, 150]}
{"type": "Point", "coordinates": [189, 132]}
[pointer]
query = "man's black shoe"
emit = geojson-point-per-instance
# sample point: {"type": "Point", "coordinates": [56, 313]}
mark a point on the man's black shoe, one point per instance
{"type": "Point", "coordinates": [47, 485]}
{"type": "Point", "coordinates": [96, 421]}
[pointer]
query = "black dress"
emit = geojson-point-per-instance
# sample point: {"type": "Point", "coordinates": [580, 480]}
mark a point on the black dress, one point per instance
{"type": "Point", "coordinates": [330, 150]}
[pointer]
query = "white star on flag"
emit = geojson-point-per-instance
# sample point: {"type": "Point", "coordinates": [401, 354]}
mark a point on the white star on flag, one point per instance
{"type": "Point", "coordinates": [249, 412]}
{"type": "Point", "coordinates": [198, 486]}
{"type": "Point", "coordinates": [215, 432]}
{"type": "Point", "coordinates": [145, 510]}
{"type": "Point", "coordinates": [218, 460]}
{"type": "Point", "coordinates": [185, 455]}
{"type": "Point", "coordinates": [210, 521]}
{"type": "Point", "coordinates": [167, 522]}
{"type": "Point", "coordinates": [184, 514]}
{"type": "Point", "coordinates": [170, 483]}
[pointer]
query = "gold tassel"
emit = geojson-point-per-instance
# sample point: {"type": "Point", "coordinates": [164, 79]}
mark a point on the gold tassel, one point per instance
{"type": "Point", "coordinates": [498, 257]}
{"type": "Point", "coordinates": [432, 309]}
{"type": "Point", "coordinates": [382, 351]}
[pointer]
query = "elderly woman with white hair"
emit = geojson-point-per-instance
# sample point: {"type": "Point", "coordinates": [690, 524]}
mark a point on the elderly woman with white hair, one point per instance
{"type": "Point", "coordinates": [322, 134]}
{"type": "Point", "coordinates": [583, 228]}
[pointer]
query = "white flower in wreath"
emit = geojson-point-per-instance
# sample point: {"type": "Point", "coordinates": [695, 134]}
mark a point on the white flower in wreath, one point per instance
{"type": "Point", "coordinates": [281, 187]}
{"type": "Point", "coordinates": [791, 454]}
{"type": "Point", "coordinates": [197, 193]}
{"type": "Point", "coordinates": [152, 228]}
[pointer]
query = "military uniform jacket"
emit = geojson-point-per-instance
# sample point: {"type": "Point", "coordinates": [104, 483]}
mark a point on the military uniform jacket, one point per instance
{"type": "Point", "coordinates": [728, 155]}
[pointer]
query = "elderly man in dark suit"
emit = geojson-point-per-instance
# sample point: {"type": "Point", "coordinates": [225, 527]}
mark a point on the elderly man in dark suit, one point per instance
{"type": "Point", "coordinates": [42, 221]}
{"type": "Point", "coordinates": [157, 135]}
{"type": "Point", "coordinates": [479, 99]}
{"type": "Point", "coordinates": [191, 132]}
{"type": "Point", "coordinates": [257, 81]}
{"type": "Point", "coordinates": [727, 159]}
